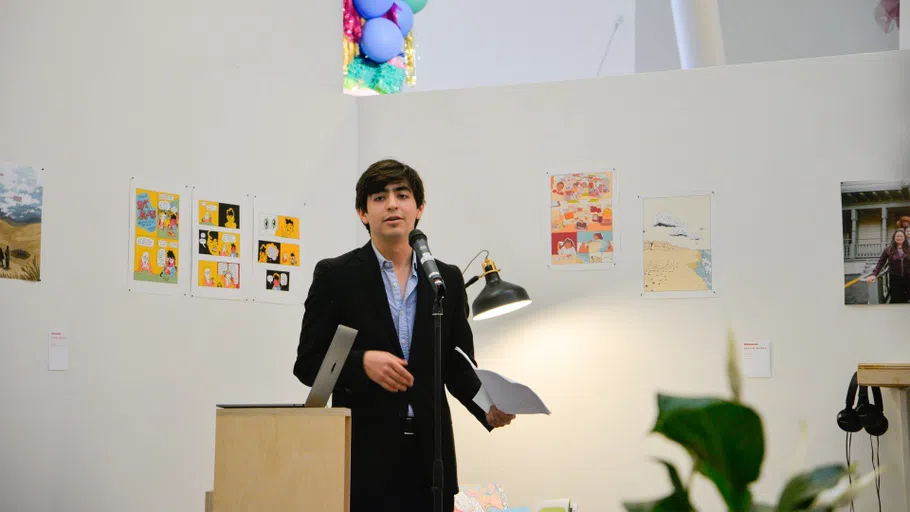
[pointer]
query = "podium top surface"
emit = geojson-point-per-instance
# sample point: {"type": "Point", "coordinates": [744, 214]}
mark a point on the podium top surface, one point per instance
{"type": "Point", "coordinates": [884, 375]}
{"type": "Point", "coordinates": [271, 410]}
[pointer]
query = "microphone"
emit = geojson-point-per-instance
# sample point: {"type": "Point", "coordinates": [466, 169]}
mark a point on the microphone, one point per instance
{"type": "Point", "coordinates": [418, 242]}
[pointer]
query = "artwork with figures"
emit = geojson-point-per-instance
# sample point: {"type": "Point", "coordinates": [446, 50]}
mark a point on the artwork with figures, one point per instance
{"type": "Point", "coordinates": [220, 258]}
{"type": "Point", "coordinates": [480, 498]}
{"type": "Point", "coordinates": [21, 203]}
{"type": "Point", "coordinates": [876, 246]}
{"type": "Point", "coordinates": [677, 244]}
{"type": "Point", "coordinates": [277, 251]}
{"type": "Point", "coordinates": [581, 219]}
{"type": "Point", "coordinates": [156, 234]}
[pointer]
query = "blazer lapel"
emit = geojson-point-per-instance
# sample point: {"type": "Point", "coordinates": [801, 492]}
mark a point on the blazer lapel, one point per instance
{"type": "Point", "coordinates": [376, 290]}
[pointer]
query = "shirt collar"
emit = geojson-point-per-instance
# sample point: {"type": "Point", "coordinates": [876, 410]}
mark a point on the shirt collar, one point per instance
{"type": "Point", "coordinates": [387, 264]}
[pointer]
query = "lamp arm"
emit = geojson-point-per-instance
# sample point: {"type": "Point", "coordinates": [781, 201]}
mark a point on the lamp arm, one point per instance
{"type": "Point", "coordinates": [471, 281]}
{"type": "Point", "coordinates": [472, 261]}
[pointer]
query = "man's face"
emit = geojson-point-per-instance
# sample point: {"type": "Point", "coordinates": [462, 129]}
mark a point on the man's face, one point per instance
{"type": "Point", "coordinates": [391, 213]}
{"type": "Point", "coordinates": [214, 243]}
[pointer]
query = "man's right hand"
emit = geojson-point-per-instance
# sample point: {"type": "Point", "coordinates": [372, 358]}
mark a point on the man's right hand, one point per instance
{"type": "Point", "coordinates": [388, 371]}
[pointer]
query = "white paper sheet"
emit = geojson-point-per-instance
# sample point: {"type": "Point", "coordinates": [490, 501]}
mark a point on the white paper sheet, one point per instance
{"type": "Point", "coordinates": [222, 260]}
{"type": "Point", "coordinates": [756, 359]}
{"type": "Point", "coordinates": [279, 251]}
{"type": "Point", "coordinates": [58, 352]}
{"type": "Point", "coordinates": [159, 231]}
{"type": "Point", "coordinates": [507, 395]}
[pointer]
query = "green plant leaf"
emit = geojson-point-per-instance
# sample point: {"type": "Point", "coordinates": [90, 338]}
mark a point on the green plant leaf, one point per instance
{"type": "Point", "coordinates": [724, 438]}
{"type": "Point", "coordinates": [761, 507]}
{"type": "Point", "coordinates": [801, 490]}
{"type": "Point", "coordinates": [676, 502]}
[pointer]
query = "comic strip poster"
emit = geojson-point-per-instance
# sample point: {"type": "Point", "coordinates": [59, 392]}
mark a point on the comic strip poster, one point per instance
{"type": "Point", "coordinates": [156, 229]}
{"type": "Point", "coordinates": [276, 242]}
{"type": "Point", "coordinates": [21, 203]}
{"type": "Point", "coordinates": [220, 261]}
{"type": "Point", "coordinates": [581, 220]}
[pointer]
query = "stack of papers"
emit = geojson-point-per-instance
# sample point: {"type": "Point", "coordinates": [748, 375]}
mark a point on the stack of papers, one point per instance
{"type": "Point", "coordinates": [507, 395]}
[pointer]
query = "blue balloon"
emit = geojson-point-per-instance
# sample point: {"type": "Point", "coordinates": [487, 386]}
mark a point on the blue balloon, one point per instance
{"type": "Point", "coordinates": [381, 40]}
{"type": "Point", "coordinates": [405, 17]}
{"type": "Point", "coordinates": [370, 9]}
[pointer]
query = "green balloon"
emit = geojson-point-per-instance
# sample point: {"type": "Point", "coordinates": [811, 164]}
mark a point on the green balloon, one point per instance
{"type": "Point", "coordinates": [417, 5]}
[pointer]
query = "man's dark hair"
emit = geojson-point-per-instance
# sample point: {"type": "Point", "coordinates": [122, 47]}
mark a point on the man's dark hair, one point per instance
{"type": "Point", "coordinates": [381, 174]}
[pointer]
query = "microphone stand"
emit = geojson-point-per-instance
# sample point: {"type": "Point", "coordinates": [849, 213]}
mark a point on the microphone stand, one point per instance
{"type": "Point", "coordinates": [438, 482]}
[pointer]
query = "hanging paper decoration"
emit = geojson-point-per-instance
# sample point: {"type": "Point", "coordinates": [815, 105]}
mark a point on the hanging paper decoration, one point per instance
{"type": "Point", "coordinates": [378, 45]}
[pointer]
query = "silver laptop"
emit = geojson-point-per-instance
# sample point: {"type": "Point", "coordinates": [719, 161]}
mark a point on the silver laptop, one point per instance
{"type": "Point", "coordinates": [325, 378]}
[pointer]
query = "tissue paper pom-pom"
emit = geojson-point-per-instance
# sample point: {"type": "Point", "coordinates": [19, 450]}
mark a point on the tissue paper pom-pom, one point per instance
{"type": "Point", "coordinates": [365, 74]}
{"type": "Point", "coordinates": [373, 8]}
{"type": "Point", "coordinates": [381, 40]}
{"type": "Point", "coordinates": [352, 22]}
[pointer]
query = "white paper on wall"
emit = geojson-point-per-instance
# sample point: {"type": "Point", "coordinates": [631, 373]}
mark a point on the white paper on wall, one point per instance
{"type": "Point", "coordinates": [756, 359]}
{"type": "Point", "coordinates": [222, 222]}
{"type": "Point", "coordinates": [158, 254]}
{"type": "Point", "coordinates": [276, 246]}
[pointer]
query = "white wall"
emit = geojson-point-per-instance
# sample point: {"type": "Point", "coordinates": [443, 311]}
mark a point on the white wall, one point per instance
{"type": "Point", "coordinates": [206, 91]}
{"type": "Point", "coordinates": [774, 141]}
{"type": "Point", "coordinates": [473, 43]}
{"type": "Point", "coordinates": [768, 30]}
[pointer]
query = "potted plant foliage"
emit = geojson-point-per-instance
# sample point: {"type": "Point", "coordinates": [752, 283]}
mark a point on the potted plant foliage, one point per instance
{"type": "Point", "coordinates": [725, 440]}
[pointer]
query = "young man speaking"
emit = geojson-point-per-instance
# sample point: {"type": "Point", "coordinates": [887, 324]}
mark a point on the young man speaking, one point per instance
{"type": "Point", "coordinates": [387, 381]}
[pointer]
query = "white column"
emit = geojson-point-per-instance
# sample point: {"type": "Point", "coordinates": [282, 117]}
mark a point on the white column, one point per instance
{"type": "Point", "coordinates": [885, 238]}
{"type": "Point", "coordinates": [698, 33]}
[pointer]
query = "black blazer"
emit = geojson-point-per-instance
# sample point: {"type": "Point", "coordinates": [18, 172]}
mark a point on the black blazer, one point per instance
{"type": "Point", "coordinates": [349, 290]}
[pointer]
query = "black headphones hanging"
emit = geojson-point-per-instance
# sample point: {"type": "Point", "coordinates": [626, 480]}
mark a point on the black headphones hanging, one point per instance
{"type": "Point", "coordinates": [848, 419]}
{"type": "Point", "coordinates": [870, 417]}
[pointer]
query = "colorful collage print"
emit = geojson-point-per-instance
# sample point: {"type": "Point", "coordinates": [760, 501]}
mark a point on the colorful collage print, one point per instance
{"type": "Point", "coordinates": [278, 246]}
{"type": "Point", "coordinates": [218, 245]}
{"type": "Point", "coordinates": [581, 218]}
{"type": "Point", "coordinates": [157, 233]}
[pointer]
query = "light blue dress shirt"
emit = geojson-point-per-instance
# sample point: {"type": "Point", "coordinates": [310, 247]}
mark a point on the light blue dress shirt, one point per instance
{"type": "Point", "coordinates": [404, 309]}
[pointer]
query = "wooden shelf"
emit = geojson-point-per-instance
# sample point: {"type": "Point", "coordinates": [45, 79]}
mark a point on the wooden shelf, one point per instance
{"type": "Point", "coordinates": [883, 375]}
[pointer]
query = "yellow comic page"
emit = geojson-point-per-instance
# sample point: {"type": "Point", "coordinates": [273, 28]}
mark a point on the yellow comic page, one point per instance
{"type": "Point", "coordinates": [208, 213]}
{"type": "Point", "coordinates": [288, 227]}
{"type": "Point", "coordinates": [219, 274]}
{"type": "Point", "coordinates": [157, 230]}
{"type": "Point", "coordinates": [290, 254]}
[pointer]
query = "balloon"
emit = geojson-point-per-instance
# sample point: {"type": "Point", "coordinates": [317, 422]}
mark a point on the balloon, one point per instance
{"type": "Point", "coordinates": [370, 9]}
{"type": "Point", "coordinates": [417, 5]}
{"type": "Point", "coordinates": [404, 16]}
{"type": "Point", "coordinates": [381, 40]}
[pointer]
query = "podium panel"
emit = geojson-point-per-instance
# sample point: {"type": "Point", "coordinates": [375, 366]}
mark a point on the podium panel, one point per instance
{"type": "Point", "coordinates": [282, 459]}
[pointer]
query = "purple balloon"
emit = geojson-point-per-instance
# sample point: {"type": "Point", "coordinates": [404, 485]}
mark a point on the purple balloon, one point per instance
{"type": "Point", "coordinates": [370, 9]}
{"type": "Point", "coordinates": [381, 40]}
{"type": "Point", "coordinates": [405, 17]}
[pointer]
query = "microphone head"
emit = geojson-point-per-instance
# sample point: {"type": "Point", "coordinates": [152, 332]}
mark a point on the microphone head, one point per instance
{"type": "Point", "coordinates": [414, 236]}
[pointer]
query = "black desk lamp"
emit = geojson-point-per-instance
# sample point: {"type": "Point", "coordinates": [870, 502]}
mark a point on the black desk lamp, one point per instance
{"type": "Point", "coordinates": [498, 297]}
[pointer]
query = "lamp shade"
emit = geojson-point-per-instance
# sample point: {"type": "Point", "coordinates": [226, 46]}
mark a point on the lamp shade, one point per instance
{"type": "Point", "coordinates": [499, 297]}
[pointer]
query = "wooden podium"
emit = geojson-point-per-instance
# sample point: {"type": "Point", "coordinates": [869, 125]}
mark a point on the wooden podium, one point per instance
{"type": "Point", "coordinates": [895, 377]}
{"type": "Point", "coordinates": [282, 459]}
